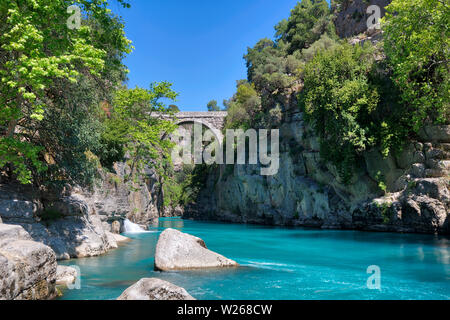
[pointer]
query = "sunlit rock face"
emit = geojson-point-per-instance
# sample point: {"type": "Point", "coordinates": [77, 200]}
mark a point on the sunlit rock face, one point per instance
{"type": "Point", "coordinates": [351, 16]}
{"type": "Point", "coordinates": [181, 251]}
{"type": "Point", "coordinates": [77, 223]}
{"type": "Point", "coordinates": [154, 289]}
{"type": "Point", "coordinates": [307, 191]}
{"type": "Point", "coordinates": [27, 268]}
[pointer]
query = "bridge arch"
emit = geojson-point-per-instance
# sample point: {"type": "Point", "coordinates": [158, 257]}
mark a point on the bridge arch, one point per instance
{"type": "Point", "coordinates": [217, 132]}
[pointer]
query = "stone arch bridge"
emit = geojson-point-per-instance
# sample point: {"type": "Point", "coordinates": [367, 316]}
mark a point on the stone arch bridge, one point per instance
{"type": "Point", "coordinates": [213, 120]}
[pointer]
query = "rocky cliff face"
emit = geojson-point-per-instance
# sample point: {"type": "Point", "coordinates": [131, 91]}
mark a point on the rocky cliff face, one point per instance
{"type": "Point", "coordinates": [308, 192]}
{"type": "Point", "coordinates": [114, 199]}
{"type": "Point", "coordinates": [78, 223]}
{"type": "Point", "coordinates": [351, 15]}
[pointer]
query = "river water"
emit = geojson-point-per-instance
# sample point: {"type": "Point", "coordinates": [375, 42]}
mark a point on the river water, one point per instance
{"type": "Point", "coordinates": [280, 263]}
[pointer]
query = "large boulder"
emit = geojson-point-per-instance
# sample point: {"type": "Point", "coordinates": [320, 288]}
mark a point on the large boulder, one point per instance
{"type": "Point", "coordinates": [73, 237]}
{"type": "Point", "coordinates": [154, 289]}
{"type": "Point", "coordinates": [66, 275]}
{"type": "Point", "coordinates": [72, 230]}
{"type": "Point", "coordinates": [27, 268]}
{"type": "Point", "coordinates": [10, 233]}
{"type": "Point", "coordinates": [435, 133]}
{"type": "Point", "coordinates": [181, 251]}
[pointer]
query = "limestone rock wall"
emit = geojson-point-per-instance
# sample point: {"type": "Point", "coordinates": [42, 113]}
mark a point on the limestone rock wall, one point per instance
{"type": "Point", "coordinates": [309, 192]}
{"type": "Point", "coordinates": [351, 15]}
{"type": "Point", "coordinates": [78, 223]}
{"type": "Point", "coordinates": [116, 199]}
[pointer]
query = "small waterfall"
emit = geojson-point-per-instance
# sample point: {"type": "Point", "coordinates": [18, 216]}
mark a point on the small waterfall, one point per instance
{"type": "Point", "coordinates": [130, 227]}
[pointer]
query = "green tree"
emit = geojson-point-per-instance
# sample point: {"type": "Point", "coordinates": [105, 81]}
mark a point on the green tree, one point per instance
{"type": "Point", "coordinates": [38, 54]}
{"type": "Point", "coordinates": [212, 106]}
{"type": "Point", "coordinates": [269, 67]}
{"type": "Point", "coordinates": [135, 124]}
{"type": "Point", "coordinates": [244, 106]}
{"type": "Point", "coordinates": [416, 42]}
{"type": "Point", "coordinates": [173, 108]}
{"type": "Point", "coordinates": [338, 99]}
{"type": "Point", "coordinates": [308, 21]}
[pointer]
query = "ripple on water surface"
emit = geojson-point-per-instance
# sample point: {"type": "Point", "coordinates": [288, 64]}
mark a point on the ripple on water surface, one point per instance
{"type": "Point", "coordinates": [280, 263]}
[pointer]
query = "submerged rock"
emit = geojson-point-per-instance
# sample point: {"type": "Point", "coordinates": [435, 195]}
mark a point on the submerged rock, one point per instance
{"type": "Point", "coordinates": [154, 289]}
{"type": "Point", "coordinates": [117, 238]}
{"type": "Point", "coordinates": [27, 268]}
{"type": "Point", "coordinates": [181, 251]}
{"type": "Point", "coordinates": [66, 275]}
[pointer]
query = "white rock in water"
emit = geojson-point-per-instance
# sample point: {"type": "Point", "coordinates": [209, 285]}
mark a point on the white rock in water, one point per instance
{"type": "Point", "coordinates": [65, 275]}
{"type": "Point", "coordinates": [121, 239]}
{"type": "Point", "coordinates": [154, 289]}
{"type": "Point", "coordinates": [181, 251]}
{"type": "Point", "coordinates": [116, 238]}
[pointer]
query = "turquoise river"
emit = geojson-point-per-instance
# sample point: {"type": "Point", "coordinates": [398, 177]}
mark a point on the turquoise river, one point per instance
{"type": "Point", "coordinates": [280, 263]}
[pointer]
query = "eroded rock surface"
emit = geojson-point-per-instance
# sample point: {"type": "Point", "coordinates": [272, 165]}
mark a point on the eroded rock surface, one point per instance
{"type": "Point", "coordinates": [27, 268]}
{"type": "Point", "coordinates": [351, 18]}
{"type": "Point", "coordinates": [66, 275]}
{"type": "Point", "coordinates": [77, 223]}
{"type": "Point", "coordinates": [154, 289]}
{"type": "Point", "coordinates": [308, 191]}
{"type": "Point", "coordinates": [181, 251]}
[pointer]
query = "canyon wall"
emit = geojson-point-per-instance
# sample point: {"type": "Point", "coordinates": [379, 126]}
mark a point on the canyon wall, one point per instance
{"type": "Point", "coordinates": [80, 223]}
{"type": "Point", "coordinates": [309, 192]}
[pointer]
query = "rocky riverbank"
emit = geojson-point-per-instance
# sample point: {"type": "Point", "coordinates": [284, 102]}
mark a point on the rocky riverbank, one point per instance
{"type": "Point", "coordinates": [37, 228]}
{"type": "Point", "coordinates": [78, 223]}
{"type": "Point", "coordinates": [27, 268]}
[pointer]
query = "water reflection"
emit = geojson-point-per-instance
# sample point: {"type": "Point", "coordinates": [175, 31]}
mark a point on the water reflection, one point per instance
{"type": "Point", "coordinates": [174, 223]}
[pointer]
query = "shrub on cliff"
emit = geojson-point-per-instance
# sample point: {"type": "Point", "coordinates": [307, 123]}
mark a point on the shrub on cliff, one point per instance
{"type": "Point", "coordinates": [417, 45]}
{"type": "Point", "coordinates": [338, 100]}
{"type": "Point", "coordinates": [308, 21]}
{"type": "Point", "coordinates": [243, 107]}
{"type": "Point", "coordinates": [275, 66]}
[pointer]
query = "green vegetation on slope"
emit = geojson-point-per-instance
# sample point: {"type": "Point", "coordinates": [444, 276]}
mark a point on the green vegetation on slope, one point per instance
{"type": "Point", "coordinates": [63, 109]}
{"type": "Point", "coordinates": [355, 97]}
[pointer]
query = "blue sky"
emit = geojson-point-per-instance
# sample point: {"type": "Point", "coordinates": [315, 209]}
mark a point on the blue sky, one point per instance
{"type": "Point", "coordinates": [197, 45]}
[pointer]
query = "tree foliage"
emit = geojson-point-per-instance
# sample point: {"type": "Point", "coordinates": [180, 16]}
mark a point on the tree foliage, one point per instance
{"type": "Point", "coordinates": [417, 45]}
{"type": "Point", "coordinates": [41, 60]}
{"type": "Point", "coordinates": [275, 66]}
{"type": "Point", "coordinates": [137, 125]}
{"type": "Point", "coordinates": [269, 68]}
{"type": "Point", "coordinates": [212, 106]}
{"type": "Point", "coordinates": [244, 106]}
{"type": "Point", "coordinates": [338, 100]}
{"type": "Point", "coordinates": [308, 21]}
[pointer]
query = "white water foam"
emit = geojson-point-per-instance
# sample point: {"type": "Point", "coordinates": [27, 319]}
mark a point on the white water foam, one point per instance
{"type": "Point", "coordinates": [271, 265]}
{"type": "Point", "coordinates": [130, 227]}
